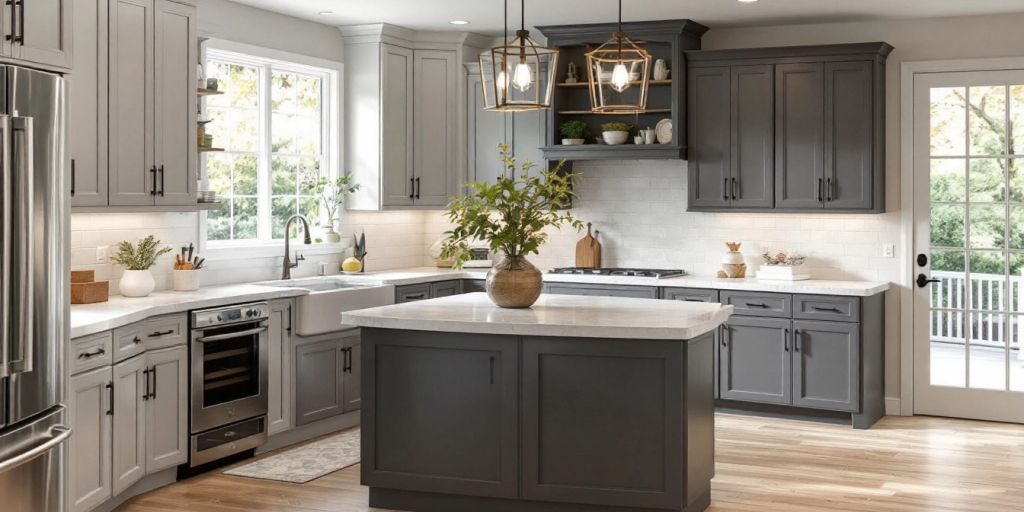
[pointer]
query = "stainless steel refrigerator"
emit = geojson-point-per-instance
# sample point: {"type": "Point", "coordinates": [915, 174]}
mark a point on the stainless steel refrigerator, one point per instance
{"type": "Point", "coordinates": [34, 289]}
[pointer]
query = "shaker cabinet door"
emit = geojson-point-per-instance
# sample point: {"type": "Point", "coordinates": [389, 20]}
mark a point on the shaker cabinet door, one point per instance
{"type": "Point", "coordinates": [826, 365]}
{"type": "Point", "coordinates": [435, 86]}
{"type": "Point", "coordinates": [799, 136]}
{"type": "Point", "coordinates": [709, 134]}
{"type": "Point", "coordinates": [753, 144]}
{"type": "Point", "coordinates": [87, 106]}
{"type": "Point", "coordinates": [279, 395]}
{"type": "Point", "coordinates": [754, 359]}
{"type": "Point", "coordinates": [175, 109]}
{"type": "Point", "coordinates": [89, 459]}
{"type": "Point", "coordinates": [849, 135]}
{"type": "Point", "coordinates": [130, 398]}
{"type": "Point", "coordinates": [167, 409]}
{"type": "Point", "coordinates": [319, 368]}
{"type": "Point", "coordinates": [397, 182]}
{"type": "Point", "coordinates": [42, 32]}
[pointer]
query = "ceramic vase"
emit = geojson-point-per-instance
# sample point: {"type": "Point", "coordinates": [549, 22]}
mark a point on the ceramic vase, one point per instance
{"type": "Point", "coordinates": [330, 235]}
{"type": "Point", "coordinates": [615, 138]}
{"type": "Point", "coordinates": [136, 283]}
{"type": "Point", "coordinates": [514, 283]}
{"type": "Point", "coordinates": [660, 70]}
{"type": "Point", "coordinates": [733, 264]}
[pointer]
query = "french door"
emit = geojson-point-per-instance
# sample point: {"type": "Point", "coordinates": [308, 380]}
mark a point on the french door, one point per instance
{"type": "Point", "coordinates": [969, 244]}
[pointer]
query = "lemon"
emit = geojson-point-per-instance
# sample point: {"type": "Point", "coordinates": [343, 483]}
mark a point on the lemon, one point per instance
{"type": "Point", "coordinates": [351, 265]}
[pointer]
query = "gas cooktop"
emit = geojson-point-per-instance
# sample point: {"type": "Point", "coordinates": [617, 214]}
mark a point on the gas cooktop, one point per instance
{"type": "Point", "coordinates": [630, 272]}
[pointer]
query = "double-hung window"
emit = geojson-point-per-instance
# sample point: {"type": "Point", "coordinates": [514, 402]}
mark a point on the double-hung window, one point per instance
{"type": "Point", "coordinates": [274, 121]}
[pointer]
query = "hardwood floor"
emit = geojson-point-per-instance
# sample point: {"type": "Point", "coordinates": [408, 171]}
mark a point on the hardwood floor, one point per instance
{"type": "Point", "coordinates": [763, 464]}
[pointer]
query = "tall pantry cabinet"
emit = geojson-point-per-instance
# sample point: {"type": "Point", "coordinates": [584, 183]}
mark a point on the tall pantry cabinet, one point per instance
{"type": "Point", "coordinates": [133, 104]}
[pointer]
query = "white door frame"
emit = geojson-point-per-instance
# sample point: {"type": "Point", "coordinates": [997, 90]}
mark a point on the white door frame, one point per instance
{"type": "Point", "coordinates": [907, 72]}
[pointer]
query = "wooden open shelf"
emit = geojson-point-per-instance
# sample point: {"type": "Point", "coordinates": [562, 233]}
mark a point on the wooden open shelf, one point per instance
{"type": "Point", "coordinates": [209, 92]}
{"type": "Point", "coordinates": [208, 206]}
{"type": "Point", "coordinates": [654, 83]}
{"type": "Point", "coordinates": [592, 113]}
{"type": "Point", "coordinates": [205, 149]}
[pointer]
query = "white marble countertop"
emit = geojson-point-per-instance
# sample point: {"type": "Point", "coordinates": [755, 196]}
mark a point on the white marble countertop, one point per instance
{"type": "Point", "coordinates": [88, 319]}
{"type": "Point", "coordinates": [552, 315]}
{"type": "Point", "coordinates": [810, 286]}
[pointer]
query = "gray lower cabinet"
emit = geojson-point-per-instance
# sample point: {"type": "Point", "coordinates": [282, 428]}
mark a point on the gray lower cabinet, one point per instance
{"type": "Point", "coordinates": [754, 360]}
{"type": "Point", "coordinates": [698, 295]}
{"type": "Point", "coordinates": [129, 412]}
{"type": "Point", "coordinates": [279, 376]}
{"type": "Point", "coordinates": [89, 450]}
{"type": "Point", "coordinates": [445, 289]}
{"type": "Point", "coordinates": [326, 377]}
{"type": "Point", "coordinates": [167, 409]}
{"type": "Point", "coordinates": [471, 449]}
{"type": "Point", "coordinates": [826, 364]}
{"type": "Point", "coordinates": [637, 292]}
{"type": "Point", "coordinates": [424, 291]}
{"type": "Point", "coordinates": [473, 286]}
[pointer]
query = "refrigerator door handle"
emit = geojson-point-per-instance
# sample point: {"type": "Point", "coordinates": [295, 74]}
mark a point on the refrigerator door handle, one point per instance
{"type": "Point", "coordinates": [5, 250]}
{"type": "Point", "coordinates": [57, 435]}
{"type": "Point", "coordinates": [23, 315]}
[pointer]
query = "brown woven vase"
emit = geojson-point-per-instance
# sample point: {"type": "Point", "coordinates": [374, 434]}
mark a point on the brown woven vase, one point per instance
{"type": "Point", "coordinates": [514, 283]}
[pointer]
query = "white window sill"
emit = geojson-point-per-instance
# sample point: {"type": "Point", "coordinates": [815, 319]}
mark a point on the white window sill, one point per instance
{"type": "Point", "coordinates": [224, 252]}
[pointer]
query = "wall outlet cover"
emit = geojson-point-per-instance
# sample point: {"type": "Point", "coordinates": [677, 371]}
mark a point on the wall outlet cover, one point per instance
{"type": "Point", "coordinates": [101, 253]}
{"type": "Point", "coordinates": [888, 250]}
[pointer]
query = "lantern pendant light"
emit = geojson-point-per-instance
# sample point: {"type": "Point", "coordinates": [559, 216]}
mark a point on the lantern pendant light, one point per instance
{"type": "Point", "coordinates": [519, 75]}
{"type": "Point", "coordinates": [618, 73]}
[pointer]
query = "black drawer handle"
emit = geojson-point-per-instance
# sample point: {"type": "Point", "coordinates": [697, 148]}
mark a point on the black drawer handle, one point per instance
{"type": "Point", "coordinates": [229, 434]}
{"type": "Point", "coordinates": [90, 355]}
{"type": "Point", "coordinates": [755, 304]}
{"type": "Point", "coordinates": [136, 340]}
{"type": "Point", "coordinates": [832, 309]}
{"type": "Point", "coordinates": [418, 296]}
{"type": "Point", "coordinates": [157, 334]}
{"type": "Point", "coordinates": [691, 299]}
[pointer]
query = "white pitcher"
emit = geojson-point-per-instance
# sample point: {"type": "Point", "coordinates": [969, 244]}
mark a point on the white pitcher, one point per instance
{"type": "Point", "coordinates": [660, 70]}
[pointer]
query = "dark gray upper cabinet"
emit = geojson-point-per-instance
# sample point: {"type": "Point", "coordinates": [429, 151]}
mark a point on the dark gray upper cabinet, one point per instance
{"type": "Point", "coordinates": [821, 109]}
{"type": "Point", "coordinates": [826, 362]}
{"type": "Point", "coordinates": [754, 359]}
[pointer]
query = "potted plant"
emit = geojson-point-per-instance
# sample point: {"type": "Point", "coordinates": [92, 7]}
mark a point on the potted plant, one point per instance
{"type": "Point", "coordinates": [615, 133]}
{"type": "Point", "coordinates": [137, 280]}
{"type": "Point", "coordinates": [331, 195]}
{"type": "Point", "coordinates": [511, 216]}
{"type": "Point", "coordinates": [574, 133]}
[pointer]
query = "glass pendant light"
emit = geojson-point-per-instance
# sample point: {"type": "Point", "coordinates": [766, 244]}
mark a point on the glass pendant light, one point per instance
{"type": "Point", "coordinates": [519, 75]}
{"type": "Point", "coordinates": [619, 74]}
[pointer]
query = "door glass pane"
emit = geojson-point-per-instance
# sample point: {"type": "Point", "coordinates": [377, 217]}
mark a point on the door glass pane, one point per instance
{"type": "Point", "coordinates": [988, 351]}
{"type": "Point", "coordinates": [988, 280]}
{"type": "Point", "coordinates": [948, 121]}
{"type": "Point", "coordinates": [1016, 264]}
{"type": "Point", "coordinates": [951, 290]}
{"type": "Point", "coordinates": [1017, 119]}
{"type": "Point", "coordinates": [1017, 179]}
{"type": "Point", "coordinates": [947, 354]}
{"type": "Point", "coordinates": [988, 180]}
{"type": "Point", "coordinates": [988, 226]}
{"type": "Point", "coordinates": [987, 108]}
{"type": "Point", "coordinates": [947, 225]}
{"type": "Point", "coordinates": [1016, 337]}
{"type": "Point", "coordinates": [949, 180]}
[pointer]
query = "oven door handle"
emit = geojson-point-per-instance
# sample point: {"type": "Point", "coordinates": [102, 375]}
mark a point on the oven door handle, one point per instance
{"type": "Point", "coordinates": [231, 335]}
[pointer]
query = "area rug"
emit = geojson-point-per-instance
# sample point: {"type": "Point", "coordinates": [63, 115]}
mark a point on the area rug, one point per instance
{"type": "Point", "coordinates": [307, 462]}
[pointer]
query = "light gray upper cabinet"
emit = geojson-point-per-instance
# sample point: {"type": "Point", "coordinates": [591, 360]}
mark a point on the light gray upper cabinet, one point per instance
{"type": "Point", "coordinates": [800, 123]}
{"type": "Point", "coordinates": [754, 359]}
{"type": "Point", "coordinates": [826, 360]}
{"type": "Point", "coordinates": [806, 130]}
{"type": "Point", "coordinates": [151, 154]}
{"type": "Point", "coordinates": [174, 135]}
{"type": "Point", "coordinates": [279, 390]}
{"type": "Point", "coordinates": [89, 450]}
{"type": "Point", "coordinates": [167, 409]}
{"type": "Point", "coordinates": [435, 77]}
{"type": "Point", "coordinates": [129, 452]}
{"type": "Point", "coordinates": [397, 162]}
{"type": "Point", "coordinates": [40, 32]}
{"type": "Point", "coordinates": [87, 100]}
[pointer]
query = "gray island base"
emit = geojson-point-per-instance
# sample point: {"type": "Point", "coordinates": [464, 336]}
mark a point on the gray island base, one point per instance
{"type": "Point", "coordinates": [468, 407]}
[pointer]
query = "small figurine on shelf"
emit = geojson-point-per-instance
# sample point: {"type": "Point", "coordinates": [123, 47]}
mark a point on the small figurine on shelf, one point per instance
{"type": "Point", "coordinates": [573, 75]}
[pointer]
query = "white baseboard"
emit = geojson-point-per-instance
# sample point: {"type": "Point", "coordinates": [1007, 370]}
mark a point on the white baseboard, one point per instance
{"type": "Point", "coordinates": [892, 407]}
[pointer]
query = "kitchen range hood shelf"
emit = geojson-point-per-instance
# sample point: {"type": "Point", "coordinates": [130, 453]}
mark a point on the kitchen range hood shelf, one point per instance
{"type": "Point", "coordinates": [616, 152]}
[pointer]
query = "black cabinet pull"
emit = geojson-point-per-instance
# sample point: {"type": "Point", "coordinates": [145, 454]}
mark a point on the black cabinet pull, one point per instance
{"type": "Point", "coordinates": [797, 340]}
{"type": "Point", "coordinates": [136, 340]}
{"type": "Point", "coordinates": [756, 305]}
{"type": "Point", "coordinates": [492, 369]}
{"type": "Point", "coordinates": [690, 299]}
{"type": "Point", "coordinates": [346, 360]}
{"type": "Point", "coordinates": [110, 394]}
{"type": "Point", "coordinates": [828, 189]}
{"type": "Point", "coordinates": [157, 334]}
{"type": "Point", "coordinates": [20, 38]}
{"type": "Point", "coordinates": [14, 16]}
{"type": "Point", "coordinates": [152, 373]}
{"type": "Point", "coordinates": [734, 188]}
{"type": "Point", "coordinates": [418, 296]}
{"type": "Point", "coordinates": [417, 188]}
{"type": "Point", "coordinates": [725, 331]}
{"type": "Point", "coordinates": [73, 177]}
{"type": "Point", "coordinates": [412, 188]}
{"type": "Point", "coordinates": [145, 386]}
{"type": "Point", "coordinates": [725, 188]}
{"type": "Point", "coordinates": [90, 355]}
{"type": "Point", "coordinates": [785, 339]}
{"type": "Point", "coordinates": [161, 171]}
{"type": "Point", "coordinates": [832, 309]}
{"type": "Point", "coordinates": [820, 191]}
{"type": "Point", "coordinates": [152, 172]}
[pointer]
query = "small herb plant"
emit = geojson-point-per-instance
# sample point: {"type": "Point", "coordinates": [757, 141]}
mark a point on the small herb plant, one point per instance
{"type": "Point", "coordinates": [331, 193]}
{"type": "Point", "coordinates": [574, 129]}
{"type": "Point", "coordinates": [140, 257]}
{"type": "Point", "coordinates": [510, 215]}
{"type": "Point", "coordinates": [616, 127]}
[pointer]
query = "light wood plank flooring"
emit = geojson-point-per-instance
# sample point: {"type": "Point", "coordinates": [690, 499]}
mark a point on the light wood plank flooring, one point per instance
{"type": "Point", "coordinates": [763, 464]}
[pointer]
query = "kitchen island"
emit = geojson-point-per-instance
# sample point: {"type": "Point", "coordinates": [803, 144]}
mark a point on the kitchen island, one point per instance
{"type": "Point", "coordinates": [598, 404]}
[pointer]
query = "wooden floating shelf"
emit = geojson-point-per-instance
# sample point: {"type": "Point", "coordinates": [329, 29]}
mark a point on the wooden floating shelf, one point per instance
{"type": "Point", "coordinates": [204, 149]}
{"type": "Point", "coordinates": [592, 113]}
{"type": "Point", "coordinates": [632, 82]}
{"type": "Point", "coordinates": [208, 92]}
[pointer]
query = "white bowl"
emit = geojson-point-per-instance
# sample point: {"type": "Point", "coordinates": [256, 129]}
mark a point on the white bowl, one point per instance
{"type": "Point", "coordinates": [615, 138]}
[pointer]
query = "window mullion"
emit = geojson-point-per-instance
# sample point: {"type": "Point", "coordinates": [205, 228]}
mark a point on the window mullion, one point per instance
{"type": "Point", "coordinates": [263, 185]}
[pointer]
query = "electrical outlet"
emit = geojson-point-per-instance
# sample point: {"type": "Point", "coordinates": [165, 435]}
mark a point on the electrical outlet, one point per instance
{"type": "Point", "coordinates": [101, 254]}
{"type": "Point", "coordinates": [888, 251]}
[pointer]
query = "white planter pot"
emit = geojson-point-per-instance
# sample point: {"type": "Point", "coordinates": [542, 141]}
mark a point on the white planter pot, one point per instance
{"type": "Point", "coordinates": [615, 138]}
{"type": "Point", "coordinates": [186, 280]}
{"type": "Point", "coordinates": [573, 142]}
{"type": "Point", "coordinates": [137, 283]}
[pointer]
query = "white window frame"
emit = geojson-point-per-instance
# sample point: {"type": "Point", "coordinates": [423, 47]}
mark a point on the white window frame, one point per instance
{"type": "Point", "coordinates": [332, 136]}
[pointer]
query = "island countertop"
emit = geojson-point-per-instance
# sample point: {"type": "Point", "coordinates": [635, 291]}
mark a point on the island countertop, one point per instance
{"type": "Point", "coordinates": [552, 315]}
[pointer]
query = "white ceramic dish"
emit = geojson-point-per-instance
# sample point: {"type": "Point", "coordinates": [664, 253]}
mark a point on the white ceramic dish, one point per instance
{"type": "Point", "coordinates": [663, 130]}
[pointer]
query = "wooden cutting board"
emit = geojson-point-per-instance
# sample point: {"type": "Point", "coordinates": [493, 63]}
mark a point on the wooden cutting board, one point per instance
{"type": "Point", "coordinates": [588, 251]}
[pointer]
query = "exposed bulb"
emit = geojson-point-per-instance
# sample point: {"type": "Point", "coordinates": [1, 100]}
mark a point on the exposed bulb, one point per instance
{"type": "Point", "coordinates": [502, 81]}
{"type": "Point", "coordinates": [522, 78]}
{"type": "Point", "coordinates": [620, 78]}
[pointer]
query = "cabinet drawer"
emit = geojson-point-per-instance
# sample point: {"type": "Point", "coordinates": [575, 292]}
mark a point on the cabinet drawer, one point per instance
{"type": "Point", "coordinates": [690, 294]}
{"type": "Point", "coordinates": [824, 307]}
{"type": "Point", "coordinates": [129, 341]}
{"type": "Point", "coordinates": [759, 304]}
{"type": "Point", "coordinates": [445, 289]}
{"type": "Point", "coordinates": [90, 352]}
{"type": "Point", "coordinates": [639, 292]}
{"type": "Point", "coordinates": [473, 286]}
{"type": "Point", "coordinates": [158, 332]}
{"type": "Point", "coordinates": [412, 292]}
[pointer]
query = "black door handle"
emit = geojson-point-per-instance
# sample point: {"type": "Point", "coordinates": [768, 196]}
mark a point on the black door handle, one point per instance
{"type": "Point", "coordinates": [725, 188]}
{"type": "Point", "coordinates": [110, 393]}
{"type": "Point", "coordinates": [922, 280]}
{"type": "Point", "coordinates": [828, 189]}
{"type": "Point", "coordinates": [73, 177]}
{"type": "Point", "coordinates": [797, 340]}
{"type": "Point", "coordinates": [161, 181]}
{"type": "Point", "coordinates": [412, 188]}
{"type": "Point", "coordinates": [785, 339]}
{"type": "Point", "coordinates": [145, 386]}
{"type": "Point", "coordinates": [417, 188]}
{"type": "Point", "coordinates": [152, 172]}
{"type": "Point", "coordinates": [734, 187]}
{"type": "Point", "coordinates": [820, 191]}
{"type": "Point", "coordinates": [152, 373]}
{"type": "Point", "coordinates": [20, 38]}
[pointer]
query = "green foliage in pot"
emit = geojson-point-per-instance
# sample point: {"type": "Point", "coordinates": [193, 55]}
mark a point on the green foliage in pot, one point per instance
{"type": "Point", "coordinates": [574, 129]}
{"type": "Point", "coordinates": [510, 215]}
{"type": "Point", "coordinates": [331, 193]}
{"type": "Point", "coordinates": [616, 127]}
{"type": "Point", "coordinates": [139, 257]}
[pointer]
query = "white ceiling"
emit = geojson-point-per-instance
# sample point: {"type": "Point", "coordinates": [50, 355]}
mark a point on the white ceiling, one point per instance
{"type": "Point", "coordinates": [485, 15]}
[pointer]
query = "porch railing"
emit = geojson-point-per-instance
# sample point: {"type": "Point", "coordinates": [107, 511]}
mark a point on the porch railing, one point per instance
{"type": "Point", "coordinates": [987, 323]}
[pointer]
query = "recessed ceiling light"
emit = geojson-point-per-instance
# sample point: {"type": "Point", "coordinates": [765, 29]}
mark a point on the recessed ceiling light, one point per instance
{"type": "Point", "coordinates": [459, 22]}
{"type": "Point", "coordinates": [325, 13]}
{"type": "Point", "coordinates": [747, 1]}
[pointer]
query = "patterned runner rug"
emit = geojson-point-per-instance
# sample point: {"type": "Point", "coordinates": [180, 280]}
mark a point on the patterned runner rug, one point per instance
{"type": "Point", "coordinates": [307, 462]}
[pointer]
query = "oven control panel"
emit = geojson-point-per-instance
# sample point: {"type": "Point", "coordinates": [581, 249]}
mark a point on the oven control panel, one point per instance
{"type": "Point", "coordinates": [252, 312]}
